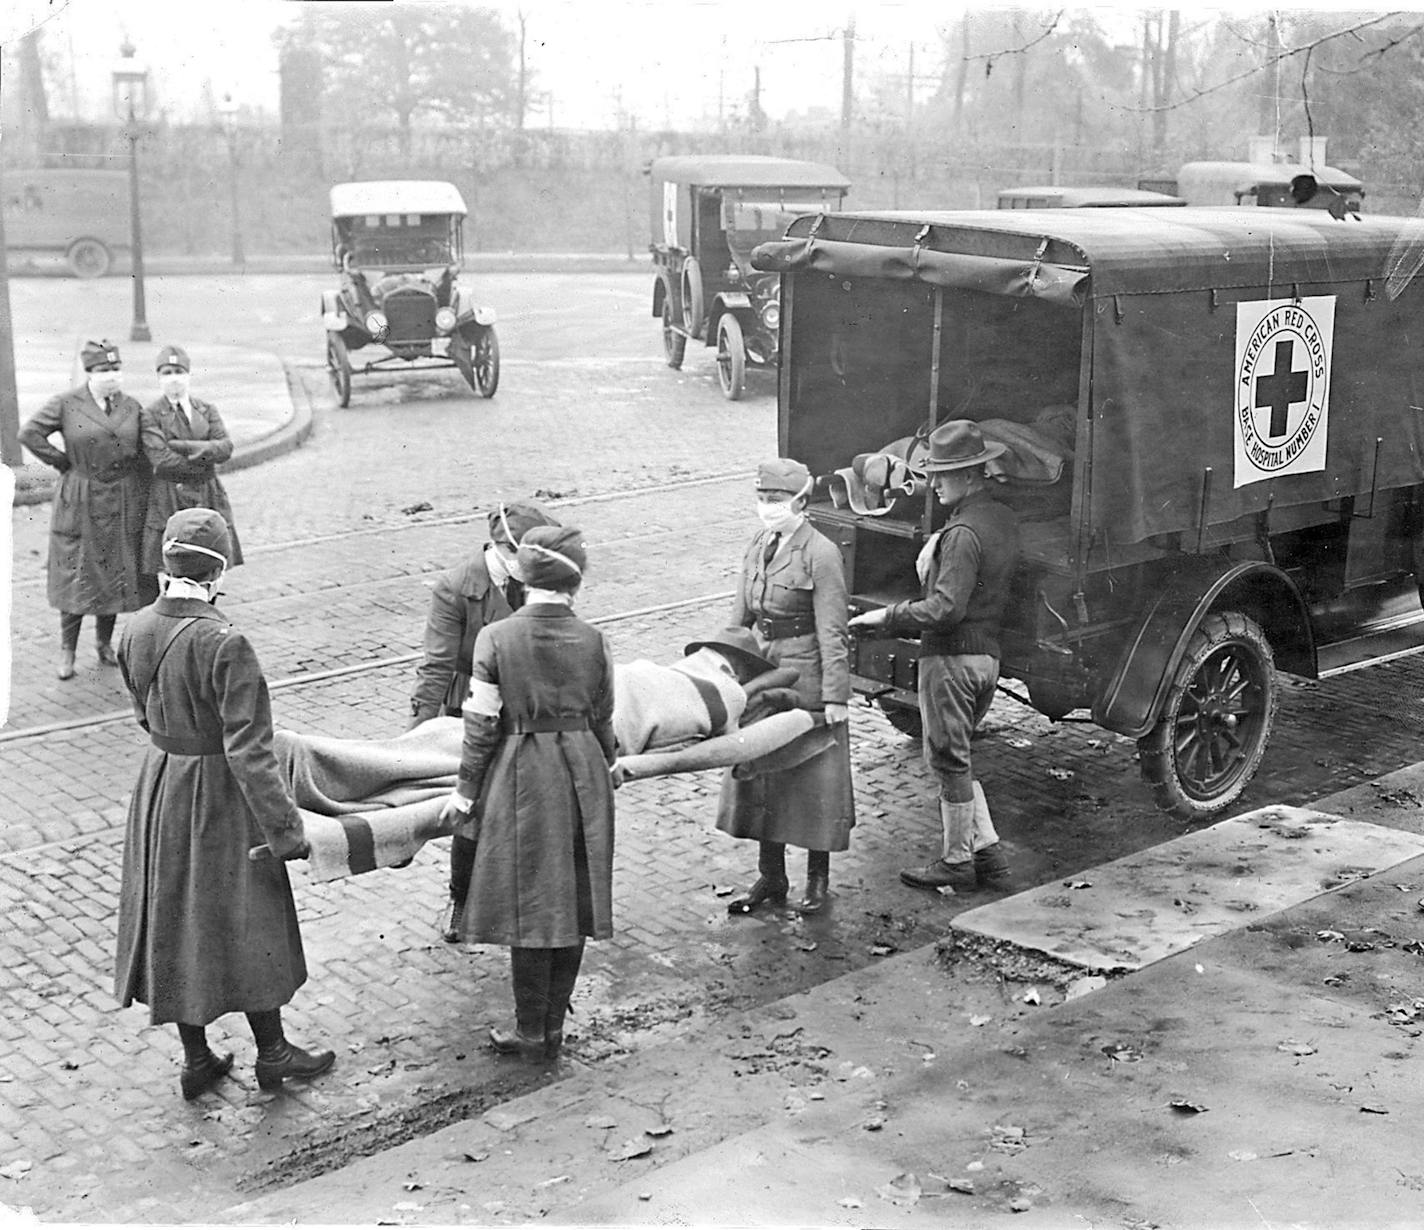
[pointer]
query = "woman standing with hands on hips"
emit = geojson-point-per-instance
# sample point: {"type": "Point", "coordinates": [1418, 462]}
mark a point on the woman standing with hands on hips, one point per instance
{"type": "Point", "coordinates": [185, 441]}
{"type": "Point", "coordinates": [535, 792]}
{"type": "Point", "coordinates": [792, 594]}
{"type": "Point", "coordinates": [96, 528]}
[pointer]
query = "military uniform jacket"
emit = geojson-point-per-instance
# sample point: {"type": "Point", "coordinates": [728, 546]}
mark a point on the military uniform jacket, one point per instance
{"type": "Point", "coordinates": [202, 929]}
{"type": "Point", "coordinates": [543, 820]}
{"type": "Point", "coordinates": [96, 528]}
{"type": "Point", "coordinates": [180, 479]}
{"type": "Point", "coordinates": [462, 602]}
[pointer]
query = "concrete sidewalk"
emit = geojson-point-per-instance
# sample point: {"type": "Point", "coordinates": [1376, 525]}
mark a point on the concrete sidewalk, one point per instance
{"type": "Point", "coordinates": [249, 387]}
{"type": "Point", "coordinates": [1262, 1073]}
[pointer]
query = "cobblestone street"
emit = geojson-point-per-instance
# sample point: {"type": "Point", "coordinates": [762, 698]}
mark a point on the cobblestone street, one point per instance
{"type": "Point", "coordinates": [656, 468]}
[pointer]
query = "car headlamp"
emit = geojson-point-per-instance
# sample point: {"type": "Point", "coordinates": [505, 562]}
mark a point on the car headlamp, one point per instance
{"type": "Point", "coordinates": [376, 324]}
{"type": "Point", "coordinates": [444, 319]}
{"type": "Point", "coordinates": [771, 315]}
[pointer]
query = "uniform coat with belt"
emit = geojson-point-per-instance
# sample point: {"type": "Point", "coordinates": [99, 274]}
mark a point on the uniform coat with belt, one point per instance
{"type": "Point", "coordinates": [462, 602]}
{"type": "Point", "coordinates": [203, 930]}
{"type": "Point", "coordinates": [96, 528]}
{"type": "Point", "coordinates": [803, 585]}
{"type": "Point", "coordinates": [186, 476]}
{"type": "Point", "coordinates": [543, 817]}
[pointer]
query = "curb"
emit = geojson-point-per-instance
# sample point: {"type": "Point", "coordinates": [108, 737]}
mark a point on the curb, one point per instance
{"type": "Point", "coordinates": [286, 438]}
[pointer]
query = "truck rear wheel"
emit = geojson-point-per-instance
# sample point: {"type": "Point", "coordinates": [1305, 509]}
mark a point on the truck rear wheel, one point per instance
{"type": "Point", "coordinates": [88, 258]}
{"type": "Point", "coordinates": [694, 311]}
{"type": "Point", "coordinates": [1216, 720]}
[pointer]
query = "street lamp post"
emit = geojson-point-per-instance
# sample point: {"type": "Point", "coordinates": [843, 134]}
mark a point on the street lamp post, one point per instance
{"type": "Point", "coordinates": [227, 109]}
{"type": "Point", "coordinates": [131, 106]}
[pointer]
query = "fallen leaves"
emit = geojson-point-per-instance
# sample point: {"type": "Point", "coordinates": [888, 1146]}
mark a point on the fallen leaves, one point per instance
{"type": "Point", "coordinates": [16, 1170]}
{"type": "Point", "coordinates": [1184, 1106]}
{"type": "Point", "coordinates": [1009, 1139]}
{"type": "Point", "coordinates": [1123, 1052]}
{"type": "Point", "coordinates": [630, 1149]}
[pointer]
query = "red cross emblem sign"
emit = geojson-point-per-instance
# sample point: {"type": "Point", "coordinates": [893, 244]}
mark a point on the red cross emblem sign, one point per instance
{"type": "Point", "coordinates": [1282, 395]}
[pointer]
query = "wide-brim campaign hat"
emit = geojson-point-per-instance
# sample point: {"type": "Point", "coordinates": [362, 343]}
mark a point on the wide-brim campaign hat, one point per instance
{"type": "Point", "coordinates": [957, 445]}
{"type": "Point", "coordinates": [739, 643]}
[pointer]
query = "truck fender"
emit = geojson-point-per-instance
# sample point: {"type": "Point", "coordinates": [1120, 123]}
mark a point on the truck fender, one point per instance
{"type": "Point", "coordinates": [333, 314]}
{"type": "Point", "coordinates": [738, 303]}
{"type": "Point", "coordinates": [1132, 699]}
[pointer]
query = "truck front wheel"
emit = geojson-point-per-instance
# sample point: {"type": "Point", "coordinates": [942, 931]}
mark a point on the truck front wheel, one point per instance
{"type": "Point", "coordinates": [1216, 720]}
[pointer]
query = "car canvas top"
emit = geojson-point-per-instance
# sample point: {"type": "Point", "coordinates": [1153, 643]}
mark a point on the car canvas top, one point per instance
{"type": "Point", "coordinates": [395, 196]}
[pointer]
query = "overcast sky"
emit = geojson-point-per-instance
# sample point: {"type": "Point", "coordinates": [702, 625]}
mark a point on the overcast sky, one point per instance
{"type": "Point", "coordinates": [664, 62]}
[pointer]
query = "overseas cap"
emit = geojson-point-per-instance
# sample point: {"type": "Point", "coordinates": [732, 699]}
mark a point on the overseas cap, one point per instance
{"type": "Point", "coordinates": [193, 540]}
{"type": "Point", "coordinates": [510, 522]}
{"type": "Point", "coordinates": [96, 353]}
{"type": "Point", "coordinates": [552, 555]}
{"type": "Point", "coordinates": [783, 474]}
{"type": "Point", "coordinates": [174, 356]}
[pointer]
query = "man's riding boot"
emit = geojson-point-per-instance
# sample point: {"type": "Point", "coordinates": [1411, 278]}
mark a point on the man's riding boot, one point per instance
{"type": "Point", "coordinates": [955, 868]}
{"type": "Point", "coordinates": [818, 882]}
{"type": "Point", "coordinates": [529, 972]}
{"type": "Point", "coordinates": [771, 884]}
{"type": "Point", "coordinates": [563, 974]}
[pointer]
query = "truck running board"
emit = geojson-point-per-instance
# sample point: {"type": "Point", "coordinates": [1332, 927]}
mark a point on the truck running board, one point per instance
{"type": "Point", "coordinates": [1382, 645]}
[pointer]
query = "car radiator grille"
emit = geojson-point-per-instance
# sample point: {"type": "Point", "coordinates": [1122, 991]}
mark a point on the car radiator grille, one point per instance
{"type": "Point", "coordinates": [410, 314]}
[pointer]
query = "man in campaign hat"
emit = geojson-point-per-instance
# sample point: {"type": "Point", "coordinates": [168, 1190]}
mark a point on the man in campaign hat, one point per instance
{"type": "Point", "coordinates": [965, 570]}
{"type": "Point", "coordinates": [203, 929]}
{"type": "Point", "coordinates": [478, 591]}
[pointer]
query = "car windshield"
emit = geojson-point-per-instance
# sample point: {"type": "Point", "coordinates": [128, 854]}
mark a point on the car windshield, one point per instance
{"type": "Point", "coordinates": [393, 241]}
{"type": "Point", "coordinates": [752, 222]}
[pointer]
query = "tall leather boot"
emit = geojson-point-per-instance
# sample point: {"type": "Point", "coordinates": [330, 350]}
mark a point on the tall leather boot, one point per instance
{"type": "Point", "coordinates": [462, 864]}
{"type": "Point", "coordinates": [771, 884]}
{"type": "Point", "coordinates": [529, 970]}
{"type": "Point", "coordinates": [955, 867]}
{"type": "Point", "coordinates": [103, 639]}
{"type": "Point", "coordinates": [818, 882]}
{"type": "Point", "coordinates": [991, 862]}
{"type": "Point", "coordinates": [563, 974]}
{"type": "Point", "coordinates": [278, 1059]}
{"type": "Point", "coordinates": [202, 1068]}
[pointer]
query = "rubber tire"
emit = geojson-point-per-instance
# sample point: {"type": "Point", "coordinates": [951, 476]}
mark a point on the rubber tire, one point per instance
{"type": "Point", "coordinates": [731, 357]}
{"type": "Point", "coordinates": [338, 367]}
{"type": "Point", "coordinates": [904, 719]}
{"type": "Point", "coordinates": [694, 311]}
{"type": "Point", "coordinates": [88, 258]}
{"type": "Point", "coordinates": [485, 363]}
{"type": "Point", "coordinates": [674, 343]}
{"type": "Point", "coordinates": [1234, 642]}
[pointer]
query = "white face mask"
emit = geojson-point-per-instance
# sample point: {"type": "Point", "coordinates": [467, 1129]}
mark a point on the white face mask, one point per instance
{"type": "Point", "coordinates": [174, 385]}
{"type": "Point", "coordinates": [104, 384]}
{"type": "Point", "coordinates": [778, 518]}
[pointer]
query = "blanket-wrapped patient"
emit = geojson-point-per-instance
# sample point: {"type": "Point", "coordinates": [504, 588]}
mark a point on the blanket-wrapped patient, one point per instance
{"type": "Point", "coordinates": [369, 803]}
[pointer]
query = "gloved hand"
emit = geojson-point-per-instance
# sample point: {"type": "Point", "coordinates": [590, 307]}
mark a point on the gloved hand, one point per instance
{"type": "Point", "coordinates": [868, 623]}
{"type": "Point", "coordinates": [836, 713]}
{"type": "Point", "coordinates": [455, 808]}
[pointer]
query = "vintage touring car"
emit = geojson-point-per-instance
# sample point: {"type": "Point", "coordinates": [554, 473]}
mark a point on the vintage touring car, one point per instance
{"type": "Point", "coordinates": [1214, 440]}
{"type": "Point", "coordinates": [397, 245]}
{"type": "Point", "coordinates": [709, 212]}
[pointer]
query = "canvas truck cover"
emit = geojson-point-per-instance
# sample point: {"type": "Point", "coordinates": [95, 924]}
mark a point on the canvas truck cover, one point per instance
{"type": "Point", "coordinates": [1186, 324]}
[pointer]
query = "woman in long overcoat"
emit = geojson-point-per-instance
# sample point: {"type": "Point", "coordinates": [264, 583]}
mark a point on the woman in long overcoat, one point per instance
{"type": "Point", "coordinates": [792, 594]}
{"type": "Point", "coordinates": [203, 929]}
{"type": "Point", "coordinates": [535, 791]}
{"type": "Point", "coordinates": [470, 596]}
{"type": "Point", "coordinates": [96, 527]}
{"type": "Point", "coordinates": [185, 441]}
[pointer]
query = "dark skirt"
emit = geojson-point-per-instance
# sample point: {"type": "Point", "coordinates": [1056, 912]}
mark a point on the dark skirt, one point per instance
{"type": "Point", "coordinates": [811, 806]}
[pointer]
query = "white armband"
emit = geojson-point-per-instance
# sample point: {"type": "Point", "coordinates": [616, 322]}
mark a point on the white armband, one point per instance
{"type": "Point", "coordinates": [484, 699]}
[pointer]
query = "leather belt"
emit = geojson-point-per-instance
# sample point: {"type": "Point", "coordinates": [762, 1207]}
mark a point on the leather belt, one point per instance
{"type": "Point", "coordinates": [789, 625]}
{"type": "Point", "coordinates": [544, 726]}
{"type": "Point", "coordinates": [175, 746]}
